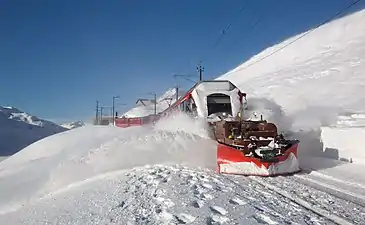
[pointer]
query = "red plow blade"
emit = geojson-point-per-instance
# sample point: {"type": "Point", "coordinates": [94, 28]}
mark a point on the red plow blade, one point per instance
{"type": "Point", "coordinates": [233, 161]}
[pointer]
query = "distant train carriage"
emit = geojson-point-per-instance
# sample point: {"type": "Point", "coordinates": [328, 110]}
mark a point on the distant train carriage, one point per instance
{"type": "Point", "coordinates": [205, 99]}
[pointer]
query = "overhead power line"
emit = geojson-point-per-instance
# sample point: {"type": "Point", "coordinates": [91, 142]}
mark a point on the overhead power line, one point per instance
{"type": "Point", "coordinates": [301, 36]}
{"type": "Point", "coordinates": [225, 30]}
{"type": "Point", "coordinates": [229, 26]}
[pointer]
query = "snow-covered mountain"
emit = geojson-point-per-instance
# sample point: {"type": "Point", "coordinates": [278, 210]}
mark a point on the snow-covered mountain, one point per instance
{"type": "Point", "coordinates": [19, 129]}
{"type": "Point", "coordinates": [109, 175]}
{"type": "Point", "coordinates": [148, 107]}
{"type": "Point", "coordinates": [73, 125]}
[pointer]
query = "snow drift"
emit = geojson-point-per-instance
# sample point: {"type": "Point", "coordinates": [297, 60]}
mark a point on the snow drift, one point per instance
{"type": "Point", "coordinates": [19, 129]}
{"type": "Point", "coordinates": [75, 155]}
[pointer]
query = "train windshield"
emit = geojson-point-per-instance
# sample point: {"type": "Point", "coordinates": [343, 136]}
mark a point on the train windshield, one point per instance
{"type": "Point", "coordinates": [219, 103]}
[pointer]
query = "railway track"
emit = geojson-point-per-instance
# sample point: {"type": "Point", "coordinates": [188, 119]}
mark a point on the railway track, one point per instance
{"type": "Point", "coordinates": [327, 206]}
{"type": "Point", "coordinates": [322, 185]}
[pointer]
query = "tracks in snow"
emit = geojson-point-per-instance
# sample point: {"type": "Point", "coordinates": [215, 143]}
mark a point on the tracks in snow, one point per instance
{"type": "Point", "coordinates": [319, 211]}
{"type": "Point", "coordinates": [181, 195]}
{"type": "Point", "coordinates": [323, 185]}
{"type": "Point", "coordinates": [163, 194]}
{"type": "Point", "coordinates": [338, 210]}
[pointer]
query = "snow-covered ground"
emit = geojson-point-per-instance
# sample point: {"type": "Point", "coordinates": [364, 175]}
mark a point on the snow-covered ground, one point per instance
{"type": "Point", "coordinates": [166, 194]}
{"type": "Point", "coordinates": [98, 175]}
{"type": "Point", "coordinates": [19, 129]}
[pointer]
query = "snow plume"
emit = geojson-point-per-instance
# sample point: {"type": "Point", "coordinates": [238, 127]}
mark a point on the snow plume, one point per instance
{"type": "Point", "coordinates": [168, 141]}
{"type": "Point", "coordinates": [304, 125]}
{"type": "Point", "coordinates": [269, 110]}
{"type": "Point", "coordinates": [313, 117]}
{"type": "Point", "coordinates": [181, 122]}
{"type": "Point", "coordinates": [82, 153]}
{"type": "Point", "coordinates": [310, 118]}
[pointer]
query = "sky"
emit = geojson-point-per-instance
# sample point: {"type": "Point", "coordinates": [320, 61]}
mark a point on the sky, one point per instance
{"type": "Point", "coordinates": [58, 57]}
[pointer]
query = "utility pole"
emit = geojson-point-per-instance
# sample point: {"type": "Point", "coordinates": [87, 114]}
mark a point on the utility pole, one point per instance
{"type": "Point", "coordinates": [200, 70]}
{"type": "Point", "coordinates": [97, 113]}
{"type": "Point", "coordinates": [113, 109]}
{"type": "Point", "coordinates": [101, 114]}
{"type": "Point", "coordinates": [155, 99]}
{"type": "Point", "coordinates": [177, 92]}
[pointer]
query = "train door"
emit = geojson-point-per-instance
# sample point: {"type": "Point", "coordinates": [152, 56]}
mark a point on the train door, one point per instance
{"type": "Point", "coordinates": [190, 107]}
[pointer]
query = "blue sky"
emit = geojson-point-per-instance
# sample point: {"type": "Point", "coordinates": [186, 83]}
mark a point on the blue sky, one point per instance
{"type": "Point", "coordinates": [58, 57]}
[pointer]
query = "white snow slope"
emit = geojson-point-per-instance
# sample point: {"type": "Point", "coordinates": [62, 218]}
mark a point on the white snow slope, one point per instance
{"type": "Point", "coordinates": [169, 97]}
{"type": "Point", "coordinates": [320, 73]}
{"type": "Point", "coordinates": [45, 182]}
{"type": "Point", "coordinates": [19, 129]}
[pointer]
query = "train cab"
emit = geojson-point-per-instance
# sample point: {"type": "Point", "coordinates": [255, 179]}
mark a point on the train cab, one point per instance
{"type": "Point", "coordinates": [211, 100]}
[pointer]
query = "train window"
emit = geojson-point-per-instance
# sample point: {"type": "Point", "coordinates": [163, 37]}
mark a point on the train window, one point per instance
{"type": "Point", "coordinates": [182, 106]}
{"type": "Point", "coordinates": [219, 103]}
{"type": "Point", "coordinates": [188, 105]}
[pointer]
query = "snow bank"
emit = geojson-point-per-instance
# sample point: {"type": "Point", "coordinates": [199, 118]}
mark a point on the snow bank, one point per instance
{"type": "Point", "coordinates": [19, 129]}
{"type": "Point", "coordinates": [68, 157]}
{"type": "Point", "coordinates": [344, 143]}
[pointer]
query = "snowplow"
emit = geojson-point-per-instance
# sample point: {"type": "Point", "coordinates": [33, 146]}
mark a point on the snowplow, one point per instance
{"type": "Point", "coordinates": [254, 148]}
{"type": "Point", "coordinates": [244, 147]}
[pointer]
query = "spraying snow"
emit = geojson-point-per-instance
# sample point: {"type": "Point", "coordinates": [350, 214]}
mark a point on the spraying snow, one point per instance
{"type": "Point", "coordinates": [75, 155]}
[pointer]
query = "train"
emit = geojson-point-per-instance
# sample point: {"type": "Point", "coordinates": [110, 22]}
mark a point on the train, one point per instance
{"type": "Point", "coordinates": [244, 146]}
